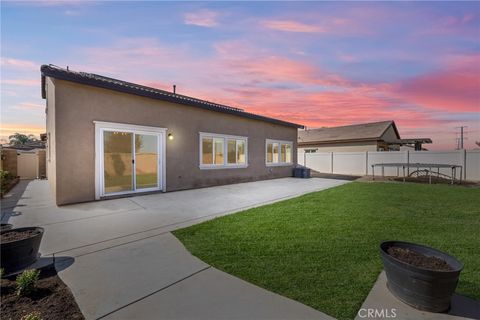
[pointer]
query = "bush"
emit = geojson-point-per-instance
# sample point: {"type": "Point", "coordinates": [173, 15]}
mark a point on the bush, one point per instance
{"type": "Point", "coordinates": [32, 316]}
{"type": "Point", "coordinates": [5, 178]}
{"type": "Point", "coordinates": [4, 174]}
{"type": "Point", "coordinates": [27, 281]}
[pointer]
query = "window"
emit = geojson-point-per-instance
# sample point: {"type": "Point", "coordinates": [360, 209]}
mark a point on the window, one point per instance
{"type": "Point", "coordinates": [218, 151]}
{"type": "Point", "coordinates": [207, 151]}
{"type": "Point", "coordinates": [278, 152]}
{"type": "Point", "coordinates": [222, 151]}
{"type": "Point", "coordinates": [311, 150]}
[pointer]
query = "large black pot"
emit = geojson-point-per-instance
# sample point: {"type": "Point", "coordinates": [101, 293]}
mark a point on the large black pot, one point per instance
{"type": "Point", "coordinates": [6, 226]}
{"type": "Point", "coordinates": [423, 289]}
{"type": "Point", "coordinates": [16, 255]}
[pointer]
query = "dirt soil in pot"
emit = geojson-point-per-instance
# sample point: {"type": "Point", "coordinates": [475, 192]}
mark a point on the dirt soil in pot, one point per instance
{"type": "Point", "coordinates": [52, 299]}
{"type": "Point", "coordinates": [419, 260]}
{"type": "Point", "coordinates": [13, 235]}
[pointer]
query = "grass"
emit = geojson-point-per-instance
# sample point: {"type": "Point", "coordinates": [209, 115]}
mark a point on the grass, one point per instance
{"type": "Point", "coordinates": [321, 249]}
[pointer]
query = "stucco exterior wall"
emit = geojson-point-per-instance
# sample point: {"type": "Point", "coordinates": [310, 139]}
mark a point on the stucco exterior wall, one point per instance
{"type": "Point", "coordinates": [343, 147]}
{"type": "Point", "coordinates": [51, 134]}
{"type": "Point", "coordinates": [77, 106]}
{"type": "Point", "coordinates": [41, 163]}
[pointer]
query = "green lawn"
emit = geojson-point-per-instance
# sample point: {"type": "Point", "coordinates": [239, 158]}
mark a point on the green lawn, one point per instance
{"type": "Point", "coordinates": [322, 248]}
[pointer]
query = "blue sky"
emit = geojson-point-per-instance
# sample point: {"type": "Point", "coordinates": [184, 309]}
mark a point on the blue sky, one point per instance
{"type": "Point", "coordinates": [316, 63]}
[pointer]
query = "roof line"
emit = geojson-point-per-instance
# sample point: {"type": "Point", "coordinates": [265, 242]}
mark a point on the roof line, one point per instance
{"type": "Point", "coordinates": [394, 128]}
{"type": "Point", "coordinates": [337, 141]}
{"type": "Point", "coordinates": [148, 92]}
{"type": "Point", "coordinates": [348, 125]}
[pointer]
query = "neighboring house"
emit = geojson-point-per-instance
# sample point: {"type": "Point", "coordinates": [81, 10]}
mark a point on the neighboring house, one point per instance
{"type": "Point", "coordinates": [376, 136]}
{"type": "Point", "coordinates": [108, 137]}
{"type": "Point", "coordinates": [28, 146]}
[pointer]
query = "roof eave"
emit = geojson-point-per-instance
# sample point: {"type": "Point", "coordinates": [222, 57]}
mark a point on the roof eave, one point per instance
{"type": "Point", "coordinates": [337, 141]}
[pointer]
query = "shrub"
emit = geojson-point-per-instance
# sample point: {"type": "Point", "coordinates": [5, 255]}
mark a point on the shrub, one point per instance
{"type": "Point", "coordinates": [27, 281]}
{"type": "Point", "coordinates": [5, 174]}
{"type": "Point", "coordinates": [5, 178]}
{"type": "Point", "coordinates": [32, 316]}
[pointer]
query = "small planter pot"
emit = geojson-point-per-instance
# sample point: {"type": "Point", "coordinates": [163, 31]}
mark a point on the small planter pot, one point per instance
{"type": "Point", "coordinates": [423, 289]}
{"type": "Point", "coordinates": [19, 254]}
{"type": "Point", "coordinates": [6, 226]}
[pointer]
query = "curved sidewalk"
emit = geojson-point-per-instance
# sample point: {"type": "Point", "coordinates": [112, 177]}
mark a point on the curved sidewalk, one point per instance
{"type": "Point", "coordinates": [121, 261]}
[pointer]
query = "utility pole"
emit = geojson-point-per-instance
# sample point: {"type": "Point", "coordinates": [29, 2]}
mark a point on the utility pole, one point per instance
{"type": "Point", "coordinates": [461, 138]}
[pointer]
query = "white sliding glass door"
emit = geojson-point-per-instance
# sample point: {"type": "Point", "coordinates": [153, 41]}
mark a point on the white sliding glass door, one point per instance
{"type": "Point", "coordinates": [117, 161]}
{"type": "Point", "coordinates": [146, 161]}
{"type": "Point", "coordinates": [129, 159]}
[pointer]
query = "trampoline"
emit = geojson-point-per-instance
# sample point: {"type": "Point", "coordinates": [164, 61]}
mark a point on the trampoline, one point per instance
{"type": "Point", "coordinates": [427, 168]}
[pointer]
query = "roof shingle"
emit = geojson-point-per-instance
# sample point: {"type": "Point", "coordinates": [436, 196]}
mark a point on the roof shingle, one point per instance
{"type": "Point", "coordinates": [358, 132]}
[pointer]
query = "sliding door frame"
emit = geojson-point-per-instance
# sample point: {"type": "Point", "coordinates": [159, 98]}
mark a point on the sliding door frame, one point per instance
{"type": "Point", "coordinates": [100, 128]}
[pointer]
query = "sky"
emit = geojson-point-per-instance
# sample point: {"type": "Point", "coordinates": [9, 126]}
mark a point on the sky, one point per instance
{"type": "Point", "coordinates": [320, 64]}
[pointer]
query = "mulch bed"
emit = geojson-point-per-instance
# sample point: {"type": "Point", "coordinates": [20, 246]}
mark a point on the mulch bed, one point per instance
{"type": "Point", "coordinates": [13, 235]}
{"type": "Point", "coordinates": [52, 299]}
{"type": "Point", "coordinates": [419, 260]}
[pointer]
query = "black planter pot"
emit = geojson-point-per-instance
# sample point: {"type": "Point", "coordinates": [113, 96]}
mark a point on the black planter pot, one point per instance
{"type": "Point", "coordinates": [6, 226]}
{"type": "Point", "coordinates": [16, 255]}
{"type": "Point", "coordinates": [423, 289]}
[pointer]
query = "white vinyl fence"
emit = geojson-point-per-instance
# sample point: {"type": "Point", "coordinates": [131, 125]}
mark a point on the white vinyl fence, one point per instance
{"type": "Point", "coordinates": [360, 163]}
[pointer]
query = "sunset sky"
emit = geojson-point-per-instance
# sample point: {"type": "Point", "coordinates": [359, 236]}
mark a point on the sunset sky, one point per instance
{"type": "Point", "coordinates": [314, 63]}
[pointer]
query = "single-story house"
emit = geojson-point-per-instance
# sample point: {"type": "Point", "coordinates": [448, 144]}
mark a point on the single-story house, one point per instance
{"type": "Point", "coordinates": [108, 138]}
{"type": "Point", "coordinates": [375, 136]}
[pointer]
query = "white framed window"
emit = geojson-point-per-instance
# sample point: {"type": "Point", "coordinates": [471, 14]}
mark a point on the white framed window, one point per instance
{"type": "Point", "coordinates": [278, 152]}
{"type": "Point", "coordinates": [220, 151]}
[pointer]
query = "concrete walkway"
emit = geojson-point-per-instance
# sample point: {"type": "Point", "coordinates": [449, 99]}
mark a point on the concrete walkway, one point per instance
{"type": "Point", "coordinates": [121, 261]}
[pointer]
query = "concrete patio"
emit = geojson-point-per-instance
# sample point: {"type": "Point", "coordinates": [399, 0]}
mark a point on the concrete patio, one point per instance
{"type": "Point", "coordinates": [382, 301]}
{"type": "Point", "coordinates": [121, 261]}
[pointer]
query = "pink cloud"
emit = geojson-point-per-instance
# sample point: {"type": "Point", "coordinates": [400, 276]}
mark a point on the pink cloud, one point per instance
{"type": "Point", "coordinates": [30, 106]}
{"type": "Point", "coordinates": [244, 63]}
{"type": "Point", "coordinates": [9, 129]}
{"type": "Point", "coordinates": [265, 82]}
{"type": "Point", "coordinates": [457, 88]}
{"type": "Point", "coordinates": [292, 26]}
{"type": "Point", "coordinates": [22, 82]}
{"type": "Point", "coordinates": [319, 24]}
{"type": "Point", "coordinates": [19, 64]}
{"type": "Point", "coordinates": [202, 18]}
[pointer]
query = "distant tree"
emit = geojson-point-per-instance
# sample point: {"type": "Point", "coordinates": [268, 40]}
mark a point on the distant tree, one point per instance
{"type": "Point", "coordinates": [18, 139]}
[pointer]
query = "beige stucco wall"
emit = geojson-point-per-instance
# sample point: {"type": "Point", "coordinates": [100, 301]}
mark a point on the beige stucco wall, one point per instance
{"type": "Point", "coordinates": [343, 147]}
{"type": "Point", "coordinates": [41, 163]}
{"type": "Point", "coordinates": [50, 151]}
{"type": "Point", "coordinates": [77, 106]}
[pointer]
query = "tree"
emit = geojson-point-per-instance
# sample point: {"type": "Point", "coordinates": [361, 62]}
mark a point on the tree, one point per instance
{"type": "Point", "coordinates": [19, 139]}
